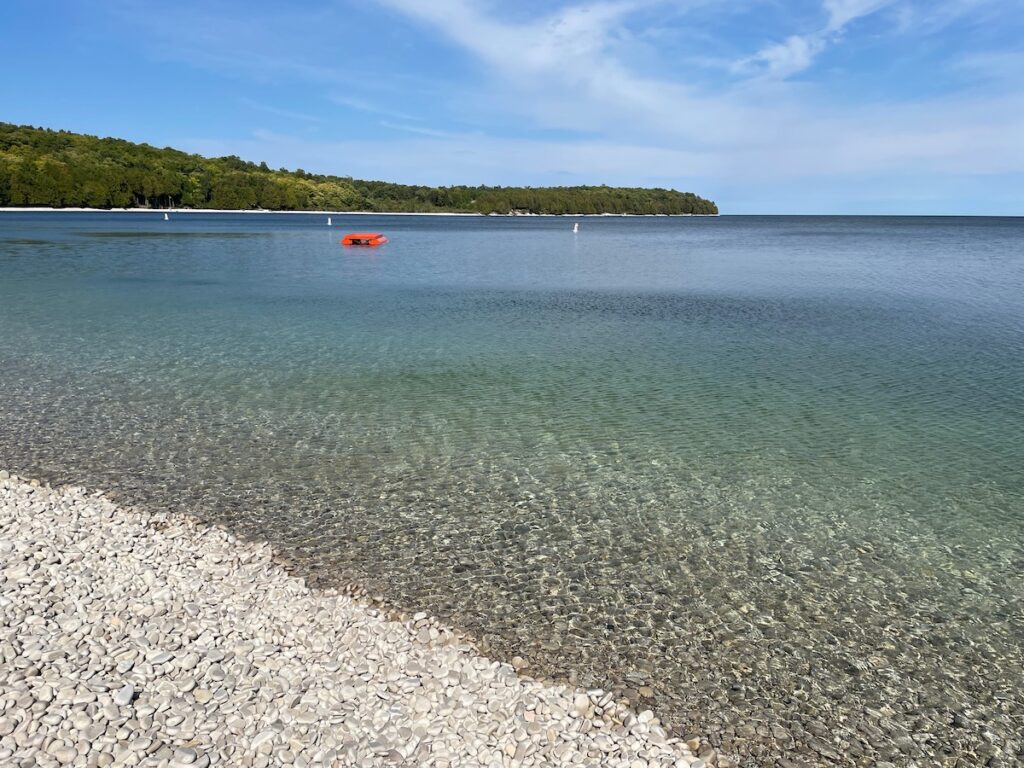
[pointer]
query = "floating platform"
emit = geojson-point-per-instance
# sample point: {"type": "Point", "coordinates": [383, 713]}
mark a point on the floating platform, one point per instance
{"type": "Point", "coordinates": [364, 238]}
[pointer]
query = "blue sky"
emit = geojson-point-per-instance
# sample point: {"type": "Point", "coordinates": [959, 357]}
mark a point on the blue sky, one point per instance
{"type": "Point", "coordinates": [810, 106]}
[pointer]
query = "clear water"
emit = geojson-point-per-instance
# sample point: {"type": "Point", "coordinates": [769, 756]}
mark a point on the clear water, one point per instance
{"type": "Point", "coordinates": [768, 467]}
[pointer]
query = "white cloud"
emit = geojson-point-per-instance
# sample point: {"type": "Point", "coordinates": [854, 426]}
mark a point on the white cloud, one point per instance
{"type": "Point", "coordinates": [285, 113]}
{"type": "Point", "coordinates": [573, 34]}
{"type": "Point", "coordinates": [780, 60]}
{"type": "Point", "coordinates": [842, 12]}
{"type": "Point", "coordinates": [418, 130]}
{"type": "Point", "coordinates": [798, 52]}
{"type": "Point", "coordinates": [992, 66]}
{"type": "Point", "coordinates": [365, 105]}
{"type": "Point", "coordinates": [562, 72]}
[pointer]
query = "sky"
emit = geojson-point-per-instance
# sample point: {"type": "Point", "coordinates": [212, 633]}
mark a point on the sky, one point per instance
{"type": "Point", "coordinates": [765, 106]}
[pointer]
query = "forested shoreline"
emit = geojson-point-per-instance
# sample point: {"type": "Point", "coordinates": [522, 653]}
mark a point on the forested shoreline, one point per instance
{"type": "Point", "coordinates": [60, 169]}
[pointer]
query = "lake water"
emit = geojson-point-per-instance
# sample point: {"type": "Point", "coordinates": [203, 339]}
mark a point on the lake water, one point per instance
{"type": "Point", "coordinates": [769, 468]}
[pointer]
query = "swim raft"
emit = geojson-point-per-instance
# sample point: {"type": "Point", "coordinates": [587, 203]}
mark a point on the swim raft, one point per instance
{"type": "Point", "coordinates": [364, 238]}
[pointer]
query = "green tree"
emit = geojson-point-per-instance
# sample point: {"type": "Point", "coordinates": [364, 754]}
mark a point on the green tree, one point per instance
{"type": "Point", "coordinates": [59, 168]}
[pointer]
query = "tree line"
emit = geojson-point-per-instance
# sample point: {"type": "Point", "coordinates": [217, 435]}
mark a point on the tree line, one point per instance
{"type": "Point", "coordinates": [43, 167]}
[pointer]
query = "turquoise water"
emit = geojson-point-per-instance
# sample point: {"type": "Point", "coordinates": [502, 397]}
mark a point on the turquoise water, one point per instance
{"type": "Point", "coordinates": [768, 467]}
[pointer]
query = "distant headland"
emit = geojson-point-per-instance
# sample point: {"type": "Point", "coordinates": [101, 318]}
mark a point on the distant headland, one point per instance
{"type": "Point", "coordinates": [40, 167]}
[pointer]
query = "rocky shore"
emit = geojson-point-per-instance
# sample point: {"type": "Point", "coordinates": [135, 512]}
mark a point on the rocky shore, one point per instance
{"type": "Point", "coordinates": [131, 638]}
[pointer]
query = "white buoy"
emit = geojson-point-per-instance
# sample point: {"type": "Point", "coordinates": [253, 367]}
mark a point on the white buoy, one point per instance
{"type": "Point", "coordinates": [328, 221]}
{"type": "Point", "coordinates": [166, 217]}
{"type": "Point", "coordinates": [575, 227]}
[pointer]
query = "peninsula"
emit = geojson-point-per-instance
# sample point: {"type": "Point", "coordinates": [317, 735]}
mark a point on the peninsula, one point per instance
{"type": "Point", "coordinates": [60, 169]}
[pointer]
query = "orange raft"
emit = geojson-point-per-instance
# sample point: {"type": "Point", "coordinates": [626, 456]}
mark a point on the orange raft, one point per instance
{"type": "Point", "coordinates": [364, 238]}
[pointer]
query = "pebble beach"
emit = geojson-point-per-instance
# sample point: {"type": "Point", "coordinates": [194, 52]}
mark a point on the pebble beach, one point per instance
{"type": "Point", "coordinates": [130, 637]}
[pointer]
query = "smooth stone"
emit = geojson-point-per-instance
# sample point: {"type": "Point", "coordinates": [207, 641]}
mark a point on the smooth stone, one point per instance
{"type": "Point", "coordinates": [64, 755]}
{"type": "Point", "coordinates": [261, 737]}
{"type": "Point", "coordinates": [125, 695]}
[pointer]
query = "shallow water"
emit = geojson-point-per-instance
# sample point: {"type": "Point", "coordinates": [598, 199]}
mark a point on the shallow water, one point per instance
{"type": "Point", "coordinates": [767, 467]}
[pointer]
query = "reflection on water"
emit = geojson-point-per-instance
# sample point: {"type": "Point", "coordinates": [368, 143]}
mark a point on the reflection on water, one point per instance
{"type": "Point", "coordinates": [767, 468]}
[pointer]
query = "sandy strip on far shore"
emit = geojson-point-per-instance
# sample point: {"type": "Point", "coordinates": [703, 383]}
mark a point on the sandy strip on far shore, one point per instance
{"type": "Point", "coordinates": [43, 209]}
{"type": "Point", "coordinates": [137, 638]}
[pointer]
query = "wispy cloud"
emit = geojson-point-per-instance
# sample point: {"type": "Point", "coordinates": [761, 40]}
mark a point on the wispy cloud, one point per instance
{"type": "Point", "coordinates": [285, 113]}
{"type": "Point", "coordinates": [934, 17]}
{"type": "Point", "coordinates": [781, 60]}
{"type": "Point", "coordinates": [561, 69]}
{"type": "Point", "coordinates": [842, 12]}
{"type": "Point", "coordinates": [364, 105]}
{"type": "Point", "coordinates": [420, 130]}
{"type": "Point", "coordinates": [798, 52]}
{"type": "Point", "coordinates": [999, 67]}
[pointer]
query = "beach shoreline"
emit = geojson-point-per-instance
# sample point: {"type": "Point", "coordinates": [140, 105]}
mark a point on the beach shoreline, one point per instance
{"type": "Point", "coordinates": [167, 641]}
